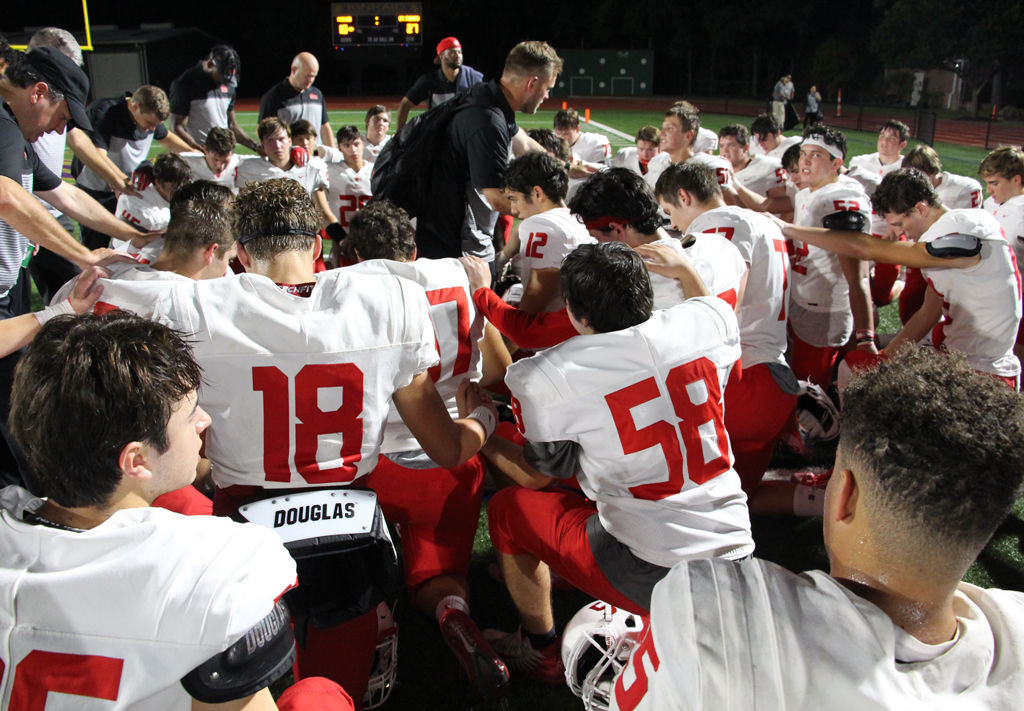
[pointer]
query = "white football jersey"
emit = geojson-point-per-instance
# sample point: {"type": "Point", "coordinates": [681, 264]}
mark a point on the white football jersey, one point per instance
{"type": "Point", "coordinates": [349, 191]}
{"type": "Point", "coordinates": [706, 141]}
{"type": "Point", "coordinates": [958, 192]}
{"type": "Point", "coordinates": [149, 212]}
{"type": "Point", "coordinates": [719, 166]}
{"type": "Point", "coordinates": [645, 406]}
{"type": "Point", "coordinates": [201, 170]}
{"type": "Point", "coordinates": [114, 617]}
{"type": "Point", "coordinates": [593, 148]}
{"type": "Point", "coordinates": [981, 305]}
{"type": "Point", "coordinates": [780, 150]}
{"type": "Point", "coordinates": [727, 636]}
{"type": "Point", "coordinates": [627, 158]}
{"type": "Point", "coordinates": [312, 176]}
{"type": "Point", "coordinates": [867, 180]}
{"type": "Point", "coordinates": [547, 238]}
{"type": "Point", "coordinates": [370, 151]}
{"type": "Point", "coordinates": [818, 281]}
{"type": "Point", "coordinates": [762, 313]}
{"type": "Point", "coordinates": [126, 272]}
{"type": "Point", "coordinates": [458, 327]}
{"type": "Point", "coordinates": [298, 388]}
{"type": "Point", "coordinates": [762, 174]}
{"type": "Point", "coordinates": [1010, 216]}
{"type": "Point", "coordinates": [146, 254]}
{"type": "Point", "coordinates": [718, 263]}
{"type": "Point", "coordinates": [873, 164]}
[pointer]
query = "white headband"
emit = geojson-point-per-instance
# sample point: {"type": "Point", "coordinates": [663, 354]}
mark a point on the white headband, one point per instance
{"type": "Point", "coordinates": [833, 151]}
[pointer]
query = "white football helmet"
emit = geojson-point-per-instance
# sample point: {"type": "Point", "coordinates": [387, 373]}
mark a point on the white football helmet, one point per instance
{"type": "Point", "coordinates": [385, 660]}
{"type": "Point", "coordinates": [816, 414]}
{"type": "Point", "coordinates": [595, 647]}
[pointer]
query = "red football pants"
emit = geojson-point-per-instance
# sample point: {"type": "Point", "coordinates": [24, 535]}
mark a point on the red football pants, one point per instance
{"type": "Point", "coordinates": [912, 297]}
{"type": "Point", "coordinates": [315, 694]}
{"type": "Point", "coordinates": [552, 526]}
{"type": "Point", "coordinates": [756, 413]}
{"type": "Point", "coordinates": [811, 362]}
{"type": "Point", "coordinates": [882, 281]}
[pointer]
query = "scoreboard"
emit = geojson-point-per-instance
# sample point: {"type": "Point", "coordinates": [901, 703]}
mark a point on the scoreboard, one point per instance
{"type": "Point", "coordinates": [377, 23]}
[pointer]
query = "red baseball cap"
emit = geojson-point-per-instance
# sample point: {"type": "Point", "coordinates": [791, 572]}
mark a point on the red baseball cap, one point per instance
{"type": "Point", "coordinates": [446, 43]}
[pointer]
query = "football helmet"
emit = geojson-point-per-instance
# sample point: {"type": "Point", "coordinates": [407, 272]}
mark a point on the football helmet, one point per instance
{"type": "Point", "coordinates": [816, 414]}
{"type": "Point", "coordinates": [596, 645]}
{"type": "Point", "coordinates": [385, 660]}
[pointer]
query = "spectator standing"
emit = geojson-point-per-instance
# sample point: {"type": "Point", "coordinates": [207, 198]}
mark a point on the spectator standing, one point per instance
{"type": "Point", "coordinates": [812, 109]}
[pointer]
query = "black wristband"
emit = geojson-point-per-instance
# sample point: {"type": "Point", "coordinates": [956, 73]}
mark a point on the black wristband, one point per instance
{"type": "Point", "coordinates": [335, 231]}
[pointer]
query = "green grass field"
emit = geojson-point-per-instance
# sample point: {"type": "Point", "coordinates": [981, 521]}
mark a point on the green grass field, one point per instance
{"type": "Point", "coordinates": [428, 676]}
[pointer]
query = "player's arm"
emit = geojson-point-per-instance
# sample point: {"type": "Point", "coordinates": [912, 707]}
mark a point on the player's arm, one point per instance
{"type": "Point", "coordinates": [404, 107]}
{"type": "Point", "coordinates": [173, 143]}
{"type": "Point", "coordinates": [99, 162]}
{"type": "Point", "coordinates": [670, 263]}
{"type": "Point", "coordinates": [858, 277]}
{"type": "Point", "coordinates": [538, 292]}
{"type": "Point", "coordinates": [523, 144]}
{"type": "Point", "coordinates": [869, 248]}
{"type": "Point", "coordinates": [494, 357]}
{"type": "Point", "coordinates": [449, 443]}
{"type": "Point", "coordinates": [260, 701]}
{"type": "Point", "coordinates": [327, 135]}
{"type": "Point", "coordinates": [920, 324]}
{"type": "Point", "coordinates": [752, 201]}
{"type": "Point", "coordinates": [240, 133]}
{"type": "Point", "coordinates": [179, 123]}
{"type": "Point", "coordinates": [508, 457]}
{"type": "Point", "coordinates": [497, 199]}
{"type": "Point", "coordinates": [320, 198]}
{"type": "Point", "coordinates": [77, 205]}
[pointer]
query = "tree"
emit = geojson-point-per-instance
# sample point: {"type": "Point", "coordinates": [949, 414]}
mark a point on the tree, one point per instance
{"type": "Point", "coordinates": [935, 34]}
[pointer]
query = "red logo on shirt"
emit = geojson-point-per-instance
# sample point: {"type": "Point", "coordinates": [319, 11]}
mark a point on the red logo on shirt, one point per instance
{"type": "Point", "coordinates": [223, 88]}
{"type": "Point", "coordinates": [312, 96]}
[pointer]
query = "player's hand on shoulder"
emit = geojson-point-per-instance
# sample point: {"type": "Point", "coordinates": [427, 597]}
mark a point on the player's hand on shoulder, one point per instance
{"type": "Point", "coordinates": [661, 259]}
{"type": "Point", "coordinates": [584, 170]}
{"type": "Point", "coordinates": [478, 271]}
{"type": "Point", "coordinates": [124, 188]}
{"type": "Point", "coordinates": [104, 256]}
{"type": "Point", "coordinates": [299, 156]}
{"type": "Point", "coordinates": [87, 291]}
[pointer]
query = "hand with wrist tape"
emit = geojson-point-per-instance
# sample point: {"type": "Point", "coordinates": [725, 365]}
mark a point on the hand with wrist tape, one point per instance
{"type": "Point", "coordinates": [82, 299]}
{"type": "Point", "coordinates": [474, 403]}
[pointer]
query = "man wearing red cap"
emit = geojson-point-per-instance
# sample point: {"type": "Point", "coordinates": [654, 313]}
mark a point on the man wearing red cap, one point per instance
{"type": "Point", "coordinates": [438, 86]}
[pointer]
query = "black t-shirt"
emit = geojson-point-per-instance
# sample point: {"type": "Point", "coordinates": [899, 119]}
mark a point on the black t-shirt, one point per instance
{"type": "Point", "coordinates": [21, 164]}
{"type": "Point", "coordinates": [115, 131]}
{"type": "Point", "coordinates": [478, 153]}
{"type": "Point", "coordinates": [205, 102]}
{"type": "Point", "coordinates": [290, 105]}
{"type": "Point", "coordinates": [434, 87]}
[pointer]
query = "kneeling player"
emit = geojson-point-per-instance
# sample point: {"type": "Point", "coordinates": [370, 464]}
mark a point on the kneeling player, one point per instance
{"type": "Point", "coordinates": [103, 596]}
{"type": "Point", "coordinates": [633, 409]}
{"type": "Point", "coordinates": [930, 461]}
{"type": "Point", "coordinates": [151, 210]}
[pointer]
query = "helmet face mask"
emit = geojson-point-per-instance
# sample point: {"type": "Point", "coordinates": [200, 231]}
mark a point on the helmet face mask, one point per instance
{"type": "Point", "coordinates": [596, 646]}
{"type": "Point", "coordinates": [385, 660]}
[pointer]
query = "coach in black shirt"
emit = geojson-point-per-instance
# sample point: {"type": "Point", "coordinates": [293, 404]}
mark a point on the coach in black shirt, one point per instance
{"type": "Point", "coordinates": [436, 87]}
{"type": "Point", "coordinates": [467, 179]}
{"type": "Point", "coordinates": [204, 97]}
{"type": "Point", "coordinates": [295, 99]}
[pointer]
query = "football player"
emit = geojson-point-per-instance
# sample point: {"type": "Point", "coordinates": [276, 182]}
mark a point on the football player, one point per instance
{"type": "Point", "coordinates": [302, 371]}
{"type": "Point", "coordinates": [587, 146]}
{"type": "Point", "coordinates": [218, 160]}
{"type": "Point", "coordinates": [767, 137]}
{"type": "Point", "coordinates": [760, 174]}
{"type": "Point", "coordinates": [892, 139]}
{"type": "Point", "coordinates": [678, 133]}
{"type": "Point", "coordinates": [617, 206]}
{"type": "Point", "coordinates": [830, 293]}
{"type": "Point", "coordinates": [536, 184]}
{"type": "Point", "coordinates": [656, 489]}
{"type": "Point", "coordinates": [174, 612]}
{"type": "Point", "coordinates": [378, 120]}
{"type": "Point", "coordinates": [151, 210]}
{"type": "Point", "coordinates": [1003, 173]}
{"type": "Point", "coordinates": [350, 176]}
{"type": "Point", "coordinates": [973, 282]}
{"type": "Point", "coordinates": [892, 625]}
{"type": "Point", "coordinates": [760, 398]}
{"type": "Point", "coordinates": [384, 242]}
{"type": "Point", "coordinates": [648, 142]}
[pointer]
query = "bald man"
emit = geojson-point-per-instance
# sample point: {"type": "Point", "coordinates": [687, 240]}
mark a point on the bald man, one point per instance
{"type": "Point", "coordinates": [296, 98]}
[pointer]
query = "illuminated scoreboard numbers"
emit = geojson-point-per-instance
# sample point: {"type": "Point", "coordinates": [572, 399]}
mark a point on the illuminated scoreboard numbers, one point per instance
{"type": "Point", "coordinates": [357, 24]}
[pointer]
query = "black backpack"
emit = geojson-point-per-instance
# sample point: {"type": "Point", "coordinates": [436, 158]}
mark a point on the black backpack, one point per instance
{"type": "Point", "coordinates": [404, 169]}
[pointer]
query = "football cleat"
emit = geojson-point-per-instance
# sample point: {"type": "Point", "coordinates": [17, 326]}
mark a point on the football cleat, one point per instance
{"type": "Point", "coordinates": [486, 671]}
{"type": "Point", "coordinates": [543, 665]}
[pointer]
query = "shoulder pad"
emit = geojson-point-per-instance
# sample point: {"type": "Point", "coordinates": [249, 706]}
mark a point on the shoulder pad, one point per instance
{"type": "Point", "coordinates": [846, 220]}
{"type": "Point", "coordinates": [954, 245]}
{"type": "Point", "coordinates": [262, 656]}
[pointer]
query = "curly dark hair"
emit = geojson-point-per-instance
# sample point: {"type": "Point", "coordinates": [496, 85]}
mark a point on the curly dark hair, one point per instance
{"type": "Point", "coordinates": [553, 144]}
{"type": "Point", "coordinates": [828, 135]}
{"type": "Point", "coordinates": [537, 169]}
{"type": "Point", "coordinates": [608, 285]}
{"type": "Point", "coordinates": [618, 193]}
{"type": "Point", "coordinates": [765, 125]}
{"type": "Point", "coordinates": [263, 214]}
{"type": "Point", "coordinates": [901, 189]}
{"type": "Point", "coordinates": [943, 446]}
{"type": "Point", "coordinates": [382, 230]}
{"type": "Point", "coordinates": [119, 379]}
